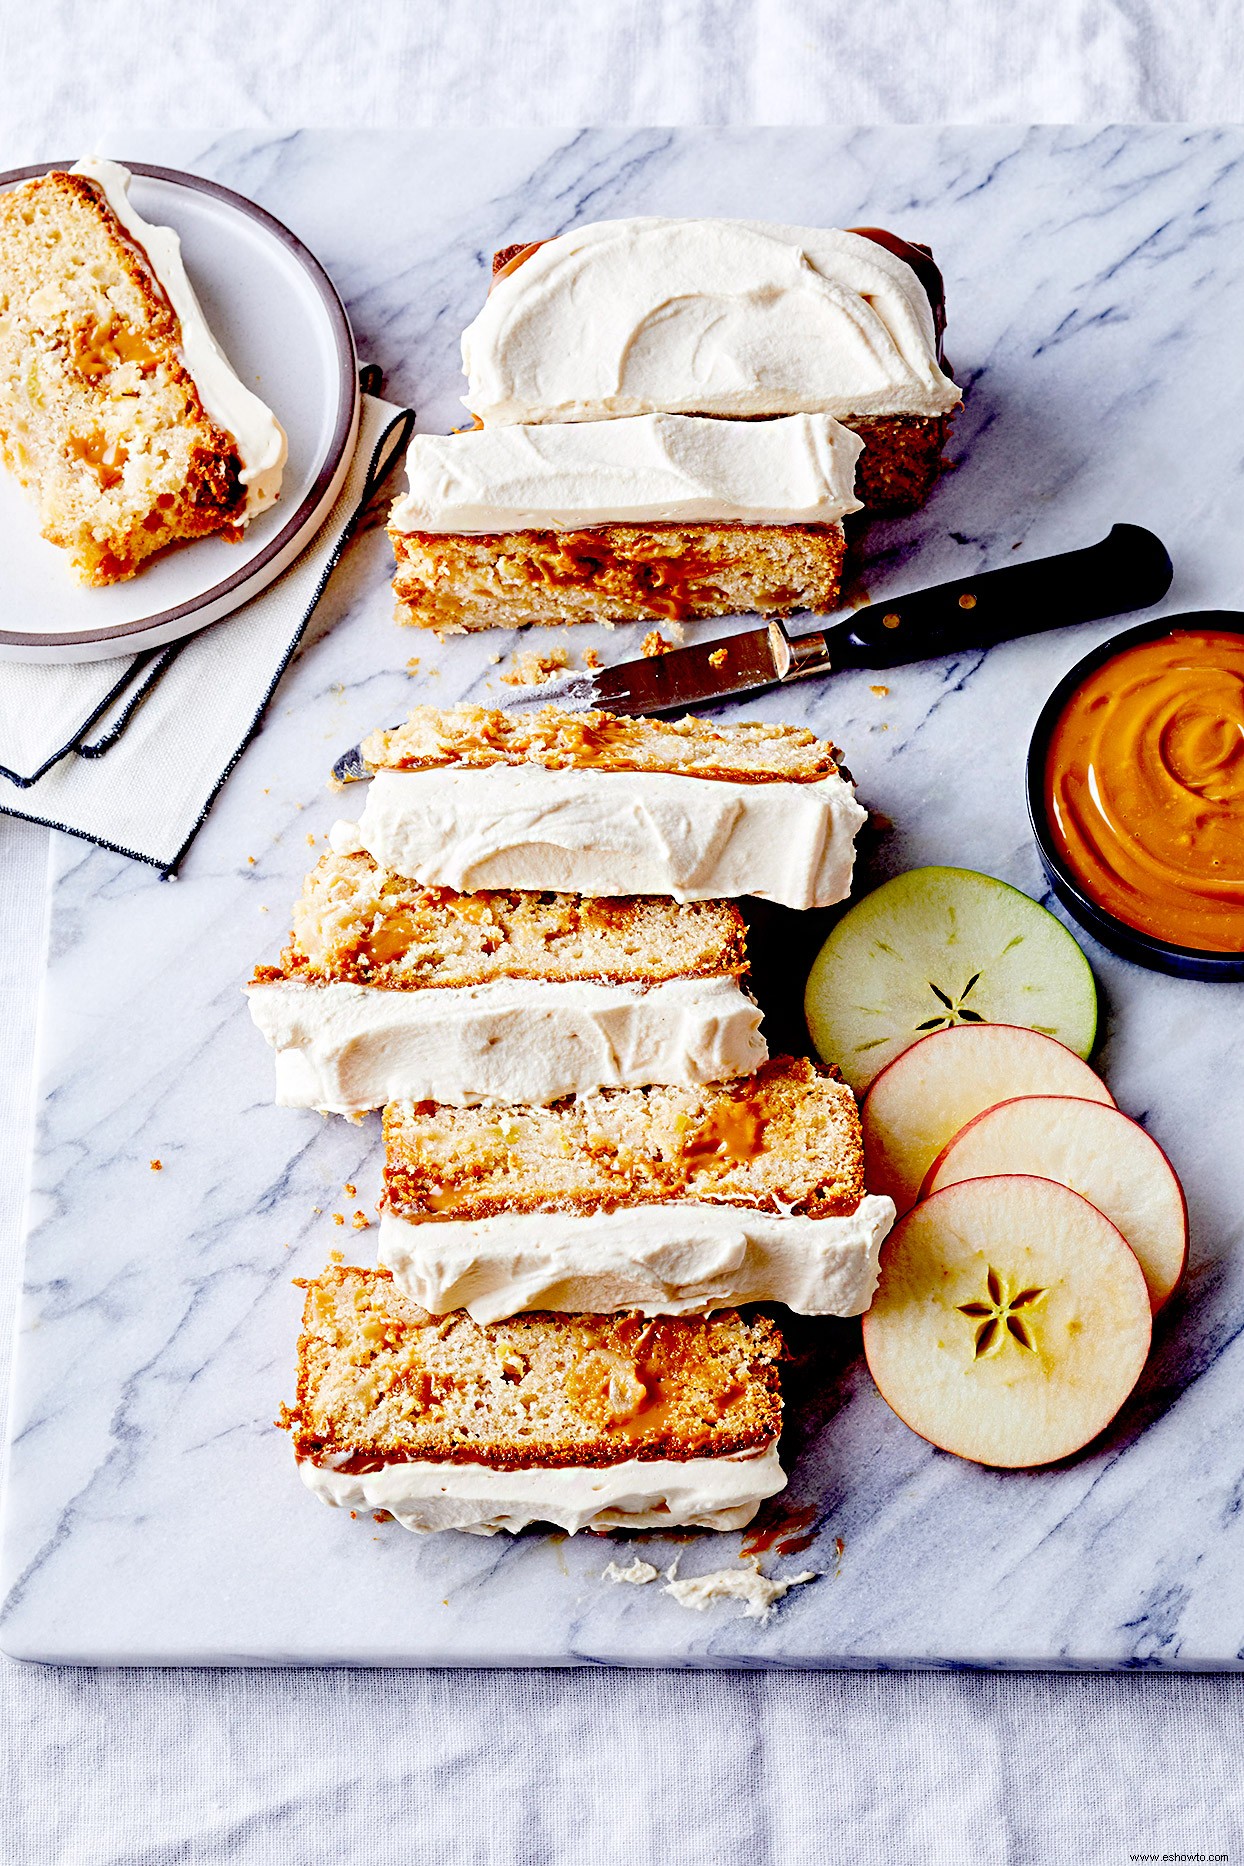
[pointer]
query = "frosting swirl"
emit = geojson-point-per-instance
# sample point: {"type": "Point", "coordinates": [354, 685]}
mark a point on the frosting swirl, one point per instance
{"type": "Point", "coordinates": [709, 317]}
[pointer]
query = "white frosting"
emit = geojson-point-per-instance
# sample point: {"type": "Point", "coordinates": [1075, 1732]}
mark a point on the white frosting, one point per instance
{"type": "Point", "coordinates": [709, 317]}
{"type": "Point", "coordinates": [649, 469]}
{"type": "Point", "coordinates": [231, 405]}
{"type": "Point", "coordinates": [693, 1493]}
{"type": "Point", "coordinates": [759, 1592]}
{"type": "Point", "coordinates": [675, 1259]}
{"type": "Point", "coordinates": [345, 1047]}
{"type": "Point", "coordinates": [611, 832]}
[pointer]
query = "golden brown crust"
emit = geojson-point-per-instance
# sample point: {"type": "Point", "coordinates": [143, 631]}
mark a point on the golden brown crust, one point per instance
{"type": "Point", "coordinates": [356, 923]}
{"type": "Point", "coordinates": [785, 1140]}
{"type": "Point", "coordinates": [454, 581]}
{"type": "Point", "coordinates": [901, 459]}
{"type": "Point", "coordinates": [480, 736]}
{"type": "Point", "coordinates": [380, 1381]}
{"type": "Point", "coordinates": [98, 413]}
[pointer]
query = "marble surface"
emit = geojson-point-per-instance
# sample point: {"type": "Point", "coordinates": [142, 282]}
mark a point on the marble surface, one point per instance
{"type": "Point", "coordinates": [1095, 287]}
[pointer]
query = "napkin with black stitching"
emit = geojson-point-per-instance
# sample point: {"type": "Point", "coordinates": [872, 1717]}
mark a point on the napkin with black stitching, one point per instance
{"type": "Point", "coordinates": [76, 741]}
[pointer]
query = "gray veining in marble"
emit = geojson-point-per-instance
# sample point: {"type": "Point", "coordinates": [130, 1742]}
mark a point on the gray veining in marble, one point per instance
{"type": "Point", "coordinates": [1096, 290]}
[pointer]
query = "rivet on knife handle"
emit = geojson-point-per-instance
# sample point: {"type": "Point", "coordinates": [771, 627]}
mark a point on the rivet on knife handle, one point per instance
{"type": "Point", "coordinates": [1129, 569]}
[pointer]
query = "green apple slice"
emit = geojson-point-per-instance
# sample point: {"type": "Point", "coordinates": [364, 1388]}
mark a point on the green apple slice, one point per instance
{"type": "Point", "coordinates": [938, 947]}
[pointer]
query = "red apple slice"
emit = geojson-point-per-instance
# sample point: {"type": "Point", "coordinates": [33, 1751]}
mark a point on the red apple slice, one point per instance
{"type": "Point", "coordinates": [1011, 1321]}
{"type": "Point", "coordinates": [1098, 1152]}
{"type": "Point", "coordinates": [927, 1094]}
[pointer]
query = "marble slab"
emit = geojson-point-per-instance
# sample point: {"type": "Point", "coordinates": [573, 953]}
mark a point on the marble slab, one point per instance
{"type": "Point", "coordinates": [1096, 292]}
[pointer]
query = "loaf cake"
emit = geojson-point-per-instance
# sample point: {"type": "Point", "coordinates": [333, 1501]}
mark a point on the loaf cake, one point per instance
{"type": "Point", "coordinates": [666, 1200]}
{"type": "Point", "coordinates": [593, 804]}
{"type": "Point", "coordinates": [585, 1420]}
{"type": "Point", "coordinates": [730, 318]}
{"type": "Point", "coordinates": [653, 518]}
{"type": "Point", "coordinates": [390, 989]}
{"type": "Point", "coordinates": [118, 410]}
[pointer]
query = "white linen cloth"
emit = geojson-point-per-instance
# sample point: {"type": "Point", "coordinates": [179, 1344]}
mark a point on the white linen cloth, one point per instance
{"type": "Point", "coordinates": [157, 739]}
{"type": "Point", "coordinates": [480, 1769]}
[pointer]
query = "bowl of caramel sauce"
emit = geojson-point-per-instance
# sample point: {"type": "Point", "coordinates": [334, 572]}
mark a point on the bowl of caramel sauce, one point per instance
{"type": "Point", "coordinates": [1136, 794]}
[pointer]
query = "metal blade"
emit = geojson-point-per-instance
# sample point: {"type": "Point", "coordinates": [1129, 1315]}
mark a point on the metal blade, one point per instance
{"type": "Point", "coordinates": [663, 683]}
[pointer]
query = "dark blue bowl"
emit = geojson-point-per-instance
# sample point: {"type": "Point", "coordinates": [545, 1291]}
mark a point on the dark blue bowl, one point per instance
{"type": "Point", "coordinates": [1129, 942]}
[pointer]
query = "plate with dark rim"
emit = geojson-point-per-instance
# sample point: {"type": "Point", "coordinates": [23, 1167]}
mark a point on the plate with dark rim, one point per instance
{"type": "Point", "coordinates": [278, 317]}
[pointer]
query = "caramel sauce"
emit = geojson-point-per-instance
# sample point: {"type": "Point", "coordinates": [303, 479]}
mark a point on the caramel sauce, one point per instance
{"type": "Point", "coordinates": [389, 941]}
{"type": "Point", "coordinates": [785, 1531]}
{"type": "Point", "coordinates": [105, 458]}
{"type": "Point", "coordinates": [108, 346]}
{"type": "Point", "coordinates": [733, 1132]}
{"type": "Point", "coordinates": [470, 907]}
{"type": "Point", "coordinates": [1144, 788]}
{"type": "Point", "coordinates": [673, 585]}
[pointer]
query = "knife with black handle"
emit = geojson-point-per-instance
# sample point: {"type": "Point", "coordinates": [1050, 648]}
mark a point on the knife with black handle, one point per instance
{"type": "Point", "coordinates": [1129, 569]}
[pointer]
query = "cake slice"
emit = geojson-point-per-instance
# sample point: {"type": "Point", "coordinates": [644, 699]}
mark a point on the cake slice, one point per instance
{"type": "Point", "coordinates": [653, 518]}
{"type": "Point", "coordinates": [665, 1200]}
{"type": "Point", "coordinates": [118, 410]}
{"type": "Point", "coordinates": [390, 989]}
{"type": "Point", "coordinates": [589, 803]}
{"type": "Point", "coordinates": [584, 1421]}
{"type": "Point", "coordinates": [731, 318]}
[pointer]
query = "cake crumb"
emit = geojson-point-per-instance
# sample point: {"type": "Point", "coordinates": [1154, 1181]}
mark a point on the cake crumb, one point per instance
{"type": "Point", "coordinates": [157, 1166]}
{"type": "Point", "coordinates": [533, 667]}
{"type": "Point", "coordinates": [360, 1221]}
{"type": "Point", "coordinates": [335, 1256]}
{"type": "Point", "coordinates": [263, 910]}
{"type": "Point", "coordinates": [339, 1218]}
{"type": "Point", "coordinates": [354, 1516]}
{"type": "Point", "coordinates": [717, 658]}
{"type": "Point", "coordinates": [310, 840]}
{"type": "Point", "coordinates": [880, 692]}
{"type": "Point", "coordinates": [350, 1191]}
{"type": "Point", "coordinates": [250, 861]}
{"type": "Point", "coordinates": [654, 643]}
{"type": "Point", "coordinates": [412, 666]}
{"type": "Point", "coordinates": [591, 658]}
{"type": "Point", "coordinates": [381, 1516]}
{"type": "Point", "coordinates": [494, 660]}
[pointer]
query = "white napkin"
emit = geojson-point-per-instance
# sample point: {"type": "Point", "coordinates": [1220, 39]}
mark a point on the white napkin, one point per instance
{"type": "Point", "coordinates": [156, 735]}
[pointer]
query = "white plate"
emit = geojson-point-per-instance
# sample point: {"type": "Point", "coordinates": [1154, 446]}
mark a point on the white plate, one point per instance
{"type": "Point", "coordinates": [273, 308]}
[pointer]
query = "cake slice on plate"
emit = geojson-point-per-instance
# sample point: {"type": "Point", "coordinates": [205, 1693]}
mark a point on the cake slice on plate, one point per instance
{"type": "Point", "coordinates": [590, 803]}
{"type": "Point", "coordinates": [665, 1200]}
{"type": "Point", "coordinates": [732, 318]}
{"type": "Point", "coordinates": [118, 409]}
{"type": "Point", "coordinates": [390, 989]}
{"type": "Point", "coordinates": [652, 518]}
{"type": "Point", "coordinates": [586, 1421]}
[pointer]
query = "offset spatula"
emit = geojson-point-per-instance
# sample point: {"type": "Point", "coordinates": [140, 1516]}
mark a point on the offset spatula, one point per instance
{"type": "Point", "coordinates": [1130, 569]}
